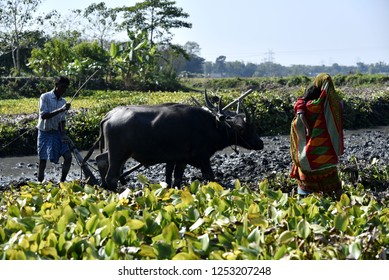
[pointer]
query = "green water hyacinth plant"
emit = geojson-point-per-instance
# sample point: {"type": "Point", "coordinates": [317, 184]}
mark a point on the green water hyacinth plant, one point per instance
{"type": "Point", "coordinates": [200, 221]}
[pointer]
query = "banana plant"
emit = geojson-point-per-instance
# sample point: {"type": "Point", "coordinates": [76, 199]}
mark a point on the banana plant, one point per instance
{"type": "Point", "coordinates": [134, 59]}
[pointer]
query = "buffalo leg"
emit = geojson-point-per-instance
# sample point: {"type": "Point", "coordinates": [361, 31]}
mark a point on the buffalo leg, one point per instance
{"type": "Point", "coordinates": [127, 172]}
{"type": "Point", "coordinates": [169, 172]}
{"type": "Point", "coordinates": [115, 164]}
{"type": "Point", "coordinates": [207, 172]}
{"type": "Point", "coordinates": [179, 169]}
{"type": "Point", "coordinates": [102, 165]}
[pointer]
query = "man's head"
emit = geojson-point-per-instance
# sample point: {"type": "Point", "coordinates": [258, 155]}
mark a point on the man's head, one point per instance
{"type": "Point", "coordinates": [61, 84]}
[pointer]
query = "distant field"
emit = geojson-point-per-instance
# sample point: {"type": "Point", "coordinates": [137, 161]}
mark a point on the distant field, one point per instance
{"type": "Point", "coordinates": [99, 98]}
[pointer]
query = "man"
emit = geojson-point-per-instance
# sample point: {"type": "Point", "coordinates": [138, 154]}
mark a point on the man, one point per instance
{"type": "Point", "coordinates": [52, 142]}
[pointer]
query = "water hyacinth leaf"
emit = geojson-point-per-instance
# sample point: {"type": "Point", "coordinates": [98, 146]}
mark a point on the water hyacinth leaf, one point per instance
{"type": "Point", "coordinates": [164, 251]}
{"type": "Point", "coordinates": [197, 224]}
{"type": "Point", "coordinates": [89, 189]}
{"type": "Point", "coordinates": [82, 211]}
{"type": "Point", "coordinates": [194, 186]}
{"type": "Point", "coordinates": [286, 237]}
{"type": "Point", "coordinates": [91, 224]}
{"type": "Point", "coordinates": [254, 235]}
{"type": "Point", "coordinates": [2, 234]}
{"type": "Point", "coordinates": [147, 251]}
{"type": "Point", "coordinates": [16, 254]}
{"type": "Point", "coordinates": [219, 204]}
{"type": "Point", "coordinates": [264, 185]}
{"type": "Point", "coordinates": [274, 195]}
{"type": "Point", "coordinates": [94, 209]}
{"type": "Point", "coordinates": [69, 214]}
{"type": "Point", "coordinates": [125, 193]}
{"type": "Point", "coordinates": [61, 225]}
{"type": "Point", "coordinates": [186, 198]}
{"type": "Point", "coordinates": [193, 214]}
{"type": "Point", "coordinates": [50, 252]}
{"type": "Point", "coordinates": [281, 251]}
{"type": "Point", "coordinates": [237, 184]}
{"type": "Point", "coordinates": [344, 201]}
{"type": "Point", "coordinates": [185, 256]}
{"type": "Point", "coordinates": [204, 240]}
{"type": "Point", "coordinates": [215, 186]}
{"type": "Point", "coordinates": [257, 220]}
{"type": "Point", "coordinates": [226, 238]}
{"type": "Point", "coordinates": [13, 211]}
{"type": "Point", "coordinates": [253, 208]}
{"type": "Point", "coordinates": [135, 224]}
{"type": "Point", "coordinates": [341, 221]}
{"type": "Point", "coordinates": [109, 248]}
{"type": "Point", "coordinates": [319, 229]}
{"type": "Point", "coordinates": [142, 179]}
{"type": "Point", "coordinates": [109, 209]}
{"type": "Point", "coordinates": [27, 211]}
{"type": "Point", "coordinates": [355, 250]}
{"type": "Point", "coordinates": [303, 229]}
{"type": "Point", "coordinates": [24, 244]}
{"type": "Point", "coordinates": [208, 210]}
{"type": "Point", "coordinates": [170, 233]}
{"type": "Point", "coordinates": [28, 223]}
{"type": "Point", "coordinates": [52, 239]}
{"type": "Point", "coordinates": [120, 235]}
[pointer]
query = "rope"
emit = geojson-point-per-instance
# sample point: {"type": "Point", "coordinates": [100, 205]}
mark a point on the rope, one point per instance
{"type": "Point", "coordinates": [17, 138]}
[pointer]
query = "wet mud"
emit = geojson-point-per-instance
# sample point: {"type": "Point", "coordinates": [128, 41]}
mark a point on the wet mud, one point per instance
{"type": "Point", "coordinates": [362, 146]}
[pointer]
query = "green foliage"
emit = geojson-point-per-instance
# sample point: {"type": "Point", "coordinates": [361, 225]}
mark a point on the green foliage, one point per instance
{"type": "Point", "coordinates": [52, 59]}
{"type": "Point", "coordinates": [200, 221]}
{"type": "Point", "coordinates": [271, 107]}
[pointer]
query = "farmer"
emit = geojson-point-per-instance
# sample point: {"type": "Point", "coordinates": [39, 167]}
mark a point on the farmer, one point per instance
{"type": "Point", "coordinates": [316, 139]}
{"type": "Point", "coordinates": [52, 142]}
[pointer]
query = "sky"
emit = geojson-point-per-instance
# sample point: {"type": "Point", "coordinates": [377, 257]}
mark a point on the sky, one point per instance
{"type": "Point", "coordinates": [310, 32]}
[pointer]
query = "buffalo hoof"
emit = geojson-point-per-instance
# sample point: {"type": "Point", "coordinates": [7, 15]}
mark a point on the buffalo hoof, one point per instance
{"type": "Point", "coordinates": [109, 188]}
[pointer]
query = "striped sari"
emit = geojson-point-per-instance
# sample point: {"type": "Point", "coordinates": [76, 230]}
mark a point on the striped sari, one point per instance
{"type": "Point", "coordinates": [315, 157]}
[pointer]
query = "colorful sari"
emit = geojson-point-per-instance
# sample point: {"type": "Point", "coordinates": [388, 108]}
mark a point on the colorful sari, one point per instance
{"type": "Point", "coordinates": [315, 157]}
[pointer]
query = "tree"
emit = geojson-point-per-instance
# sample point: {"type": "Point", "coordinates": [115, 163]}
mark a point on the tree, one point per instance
{"type": "Point", "coordinates": [15, 17]}
{"type": "Point", "coordinates": [192, 48]}
{"type": "Point", "coordinates": [156, 17]}
{"type": "Point", "coordinates": [52, 59]}
{"type": "Point", "coordinates": [220, 65]}
{"type": "Point", "coordinates": [88, 57]}
{"type": "Point", "coordinates": [101, 21]}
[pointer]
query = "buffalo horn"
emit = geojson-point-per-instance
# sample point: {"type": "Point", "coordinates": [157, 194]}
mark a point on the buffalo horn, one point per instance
{"type": "Point", "coordinates": [238, 99]}
{"type": "Point", "coordinates": [208, 103]}
{"type": "Point", "coordinates": [246, 113]}
{"type": "Point", "coordinates": [220, 106]}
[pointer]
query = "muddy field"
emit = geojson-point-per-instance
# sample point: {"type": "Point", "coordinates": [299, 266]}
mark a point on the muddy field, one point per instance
{"type": "Point", "coordinates": [363, 145]}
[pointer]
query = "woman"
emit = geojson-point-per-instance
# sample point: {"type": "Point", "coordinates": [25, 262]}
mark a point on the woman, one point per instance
{"type": "Point", "coordinates": [316, 139]}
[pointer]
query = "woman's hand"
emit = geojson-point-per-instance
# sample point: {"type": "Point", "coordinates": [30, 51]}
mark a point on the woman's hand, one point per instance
{"type": "Point", "coordinates": [308, 130]}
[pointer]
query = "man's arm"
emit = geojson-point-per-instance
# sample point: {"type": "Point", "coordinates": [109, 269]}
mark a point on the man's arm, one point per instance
{"type": "Point", "coordinates": [49, 115]}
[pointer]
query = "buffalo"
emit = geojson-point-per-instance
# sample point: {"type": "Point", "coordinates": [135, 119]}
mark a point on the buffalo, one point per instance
{"type": "Point", "coordinates": [171, 133]}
